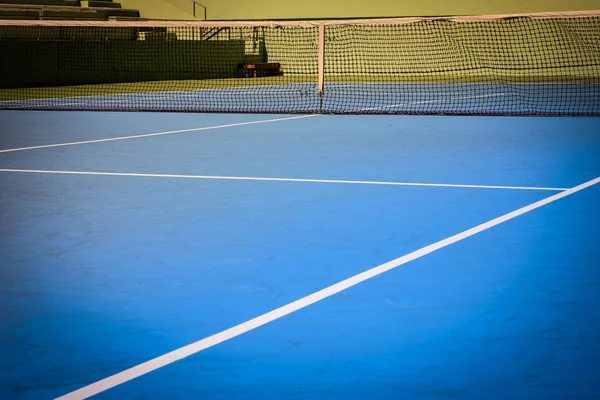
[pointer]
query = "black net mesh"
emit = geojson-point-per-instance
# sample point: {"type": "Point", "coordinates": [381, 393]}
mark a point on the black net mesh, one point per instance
{"type": "Point", "coordinates": [509, 66]}
{"type": "Point", "coordinates": [517, 66]}
{"type": "Point", "coordinates": [235, 69]}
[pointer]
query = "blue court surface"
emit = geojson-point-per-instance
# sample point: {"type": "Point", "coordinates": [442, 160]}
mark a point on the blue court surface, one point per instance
{"type": "Point", "coordinates": [247, 256]}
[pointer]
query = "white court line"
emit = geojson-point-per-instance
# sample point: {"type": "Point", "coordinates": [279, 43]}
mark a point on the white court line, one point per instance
{"type": "Point", "coordinates": [432, 101]}
{"type": "Point", "coordinates": [264, 121]}
{"type": "Point", "coordinates": [256, 178]}
{"type": "Point", "coordinates": [203, 344]}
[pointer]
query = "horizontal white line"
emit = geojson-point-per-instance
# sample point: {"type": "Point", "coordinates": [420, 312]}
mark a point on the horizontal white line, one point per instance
{"type": "Point", "coordinates": [203, 344]}
{"type": "Point", "coordinates": [45, 146]}
{"type": "Point", "coordinates": [254, 178]}
{"type": "Point", "coordinates": [432, 101]}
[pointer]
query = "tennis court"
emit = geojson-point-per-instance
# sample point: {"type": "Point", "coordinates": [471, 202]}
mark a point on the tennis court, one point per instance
{"type": "Point", "coordinates": [301, 255]}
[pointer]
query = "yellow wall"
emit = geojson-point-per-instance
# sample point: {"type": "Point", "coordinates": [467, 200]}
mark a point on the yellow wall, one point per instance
{"type": "Point", "coordinates": [159, 9]}
{"type": "Point", "coordinates": [303, 9]}
{"type": "Point", "coordinates": [299, 9]}
{"type": "Point", "coordinates": [187, 6]}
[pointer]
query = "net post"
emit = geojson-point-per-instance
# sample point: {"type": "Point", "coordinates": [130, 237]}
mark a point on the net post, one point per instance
{"type": "Point", "coordinates": [321, 57]}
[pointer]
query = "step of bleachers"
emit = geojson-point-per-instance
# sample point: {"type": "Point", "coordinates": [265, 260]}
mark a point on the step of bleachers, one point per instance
{"type": "Point", "coordinates": [66, 9]}
{"type": "Point", "coordinates": [35, 11]}
{"type": "Point", "coordinates": [104, 4]}
{"type": "Point", "coordinates": [19, 14]}
{"type": "Point", "coordinates": [69, 3]}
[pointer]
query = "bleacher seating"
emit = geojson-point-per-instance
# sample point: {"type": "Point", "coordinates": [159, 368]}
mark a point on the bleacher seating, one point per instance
{"type": "Point", "coordinates": [66, 10]}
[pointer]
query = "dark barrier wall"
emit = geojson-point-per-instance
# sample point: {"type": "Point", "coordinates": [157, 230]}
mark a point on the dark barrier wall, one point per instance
{"type": "Point", "coordinates": [29, 63]}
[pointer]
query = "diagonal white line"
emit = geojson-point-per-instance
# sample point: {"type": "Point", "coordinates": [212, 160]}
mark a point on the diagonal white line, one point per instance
{"type": "Point", "coordinates": [267, 179]}
{"type": "Point", "coordinates": [264, 121]}
{"type": "Point", "coordinates": [203, 344]}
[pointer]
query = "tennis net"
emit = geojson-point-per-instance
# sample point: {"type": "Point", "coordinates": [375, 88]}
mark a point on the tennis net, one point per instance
{"type": "Point", "coordinates": [536, 64]}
